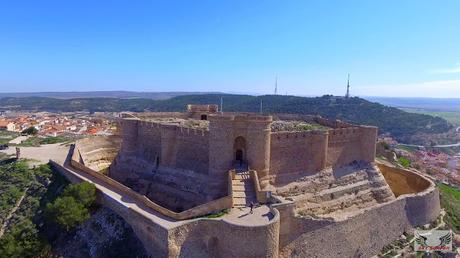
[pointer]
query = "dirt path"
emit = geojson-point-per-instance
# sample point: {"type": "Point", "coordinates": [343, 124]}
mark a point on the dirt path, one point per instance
{"type": "Point", "coordinates": [15, 208]}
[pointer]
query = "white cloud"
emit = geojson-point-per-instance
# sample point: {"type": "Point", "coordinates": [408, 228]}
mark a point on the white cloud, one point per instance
{"type": "Point", "coordinates": [431, 89]}
{"type": "Point", "coordinates": [455, 69]}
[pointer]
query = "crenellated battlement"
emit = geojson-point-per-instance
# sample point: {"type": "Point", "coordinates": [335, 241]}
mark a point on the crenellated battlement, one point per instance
{"type": "Point", "coordinates": [344, 134]}
{"type": "Point", "coordinates": [296, 134]}
{"type": "Point", "coordinates": [202, 108]}
{"type": "Point", "coordinates": [246, 117]}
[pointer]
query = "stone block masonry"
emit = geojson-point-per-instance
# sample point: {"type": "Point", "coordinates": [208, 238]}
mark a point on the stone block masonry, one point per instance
{"type": "Point", "coordinates": [183, 167]}
{"type": "Point", "coordinates": [214, 150]}
{"type": "Point", "coordinates": [362, 234]}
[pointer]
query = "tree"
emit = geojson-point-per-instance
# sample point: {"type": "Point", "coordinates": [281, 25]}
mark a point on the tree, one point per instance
{"type": "Point", "coordinates": [22, 241]}
{"type": "Point", "coordinates": [84, 192]}
{"type": "Point", "coordinates": [67, 212]}
{"type": "Point", "coordinates": [30, 131]}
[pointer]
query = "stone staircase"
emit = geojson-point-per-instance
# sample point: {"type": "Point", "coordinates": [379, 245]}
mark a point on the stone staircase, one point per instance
{"type": "Point", "coordinates": [330, 195]}
{"type": "Point", "coordinates": [243, 190]}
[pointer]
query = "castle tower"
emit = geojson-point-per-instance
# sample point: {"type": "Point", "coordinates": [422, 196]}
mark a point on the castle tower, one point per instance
{"type": "Point", "coordinates": [237, 141]}
{"type": "Point", "coordinates": [129, 135]}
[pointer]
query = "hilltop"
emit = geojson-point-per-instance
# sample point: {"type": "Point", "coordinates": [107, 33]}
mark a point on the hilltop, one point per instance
{"type": "Point", "coordinates": [400, 124]}
{"type": "Point", "coordinates": [99, 94]}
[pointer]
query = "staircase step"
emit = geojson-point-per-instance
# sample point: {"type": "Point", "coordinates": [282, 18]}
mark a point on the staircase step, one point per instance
{"type": "Point", "coordinates": [238, 187]}
{"type": "Point", "coordinates": [242, 182]}
{"type": "Point", "coordinates": [243, 201]}
{"type": "Point", "coordinates": [362, 199]}
{"type": "Point", "coordinates": [339, 191]}
{"type": "Point", "coordinates": [339, 203]}
{"type": "Point", "coordinates": [243, 190]}
{"type": "Point", "coordinates": [244, 194]}
{"type": "Point", "coordinates": [244, 177]}
{"type": "Point", "coordinates": [247, 191]}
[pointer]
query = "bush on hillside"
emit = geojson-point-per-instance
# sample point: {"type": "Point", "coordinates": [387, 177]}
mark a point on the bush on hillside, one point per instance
{"type": "Point", "coordinates": [84, 192]}
{"type": "Point", "coordinates": [405, 162]}
{"type": "Point", "coordinates": [22, 241]}
{"type": "Point", "coordinates": [67, 212]}
{"type": "Point", "coordinates": [30, 131]}
{"type": "Point", "coordinates": [72, 207]}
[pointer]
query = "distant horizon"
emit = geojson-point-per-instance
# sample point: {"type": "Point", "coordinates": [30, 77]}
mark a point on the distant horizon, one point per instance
{"type": "Point", "coordinates": [215, 92]}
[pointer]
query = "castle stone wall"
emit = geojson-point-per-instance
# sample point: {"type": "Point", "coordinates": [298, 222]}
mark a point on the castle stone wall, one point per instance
{"type": "Point", "coordinates": [220, 238]}
{"type": "Point", "coordinates": [361, 235]}
{"type": "Point", "coordinates": [294, 152]}
{"type": "Point", "coordinates": [129, 136]}
{"type": "Point", "coordinates": [402, 182]}
{"type": "Point", "coordinates": [173, 146]}
{"type": "Point", "coordinates": [192, 150]}
{"type": "Point", "coordinates": [149, 147]}
{"type": "Point", "coordinates": [346, 145]}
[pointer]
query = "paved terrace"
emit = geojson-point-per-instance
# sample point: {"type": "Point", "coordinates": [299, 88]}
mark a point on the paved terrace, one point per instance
{"type": "Point", "coordinates": [42, 154]}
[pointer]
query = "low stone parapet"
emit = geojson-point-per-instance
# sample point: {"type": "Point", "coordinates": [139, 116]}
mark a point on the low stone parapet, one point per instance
{"type": "Point", "coordinates": [200, 210]}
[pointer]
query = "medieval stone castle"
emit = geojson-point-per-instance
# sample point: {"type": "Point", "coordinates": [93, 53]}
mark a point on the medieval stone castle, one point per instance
{"type": "Point", "coordinates": [203, 183]}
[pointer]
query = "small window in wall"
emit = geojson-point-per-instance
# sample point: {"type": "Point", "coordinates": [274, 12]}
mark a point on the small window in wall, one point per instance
{"type": "Point", "coordinates": [204, 117]}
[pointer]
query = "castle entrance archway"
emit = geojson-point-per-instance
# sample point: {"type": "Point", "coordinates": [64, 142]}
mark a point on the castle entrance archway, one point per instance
{"type": "Point", "coordinates": [239, 150]}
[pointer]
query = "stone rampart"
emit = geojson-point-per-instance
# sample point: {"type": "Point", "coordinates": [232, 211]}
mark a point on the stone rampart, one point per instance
{"type": "Point", "coordinates": [200, 237]}
{"type": "Point", "coordinates": [346, 145]}
{"type": "Point", "coordinates": [98, 152]}
{"type": "Point", "coordinates": [153, 236]}
{"type": "Point", "coordinates": [167, 145]}
{"type": "Point", "coordinates": [200, 210]}
{"type": "Point", "coordinates": [222, 238]}
{"type": "Point", "coordinates": [297, 152]}
{"type": "Point", "coordinates": [362, 234]}
{"type": "Point", "coordinates": [261, 195]}
{"type": "Point", "coordinates": [402, 182]}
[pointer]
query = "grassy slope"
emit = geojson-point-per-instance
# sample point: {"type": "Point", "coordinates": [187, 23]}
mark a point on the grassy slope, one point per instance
{"type": "Point", "coordinates": [22, 237]}
{"type": "Point", "coordinates": [450, 201]}
{"type": "Point", "coordinates": [452, 117]}
{"type": "Point", "coordinates": [6, 136]}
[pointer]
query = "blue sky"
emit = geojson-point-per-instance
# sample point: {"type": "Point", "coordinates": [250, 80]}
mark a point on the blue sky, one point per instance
{"type": "Point", "coordinates": [391, 48]}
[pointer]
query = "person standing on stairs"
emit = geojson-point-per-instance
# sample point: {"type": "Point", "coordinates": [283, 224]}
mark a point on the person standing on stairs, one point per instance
{"type": "Point", "coordinates": [252, 207]}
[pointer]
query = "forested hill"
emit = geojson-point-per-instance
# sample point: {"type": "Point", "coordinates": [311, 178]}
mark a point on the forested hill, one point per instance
{"type": "Point", "coordinates": [400, 124]}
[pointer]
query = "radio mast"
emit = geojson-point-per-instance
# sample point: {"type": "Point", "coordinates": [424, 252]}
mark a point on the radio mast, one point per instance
{"type": "Point", "coordinates": [348, 87]}
{"type": "Point", "coordinates": [276, 85]}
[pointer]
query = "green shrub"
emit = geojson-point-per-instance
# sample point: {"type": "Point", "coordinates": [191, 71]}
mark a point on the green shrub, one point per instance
{"type": "Point", "coordinates": [30, 131]}
{"type": "Point", "coordinates": [72, 207]}
{"type": "Point", "coordinates": [405, 162]}
{"type": "Point", "coordinates": [84, 192]}
{"type": "Point", "coordinates": [52, 140]}
{"type": "Point", "coordinates": [22, 241]}
{"type": "Point", "coordinates": [67, 212]}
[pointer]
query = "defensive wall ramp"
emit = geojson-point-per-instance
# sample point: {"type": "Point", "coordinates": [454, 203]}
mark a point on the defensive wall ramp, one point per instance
{"type": "Point", "coordinates": [365, 232]}
{"type": "Point", "coordinates": [164, 236]}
